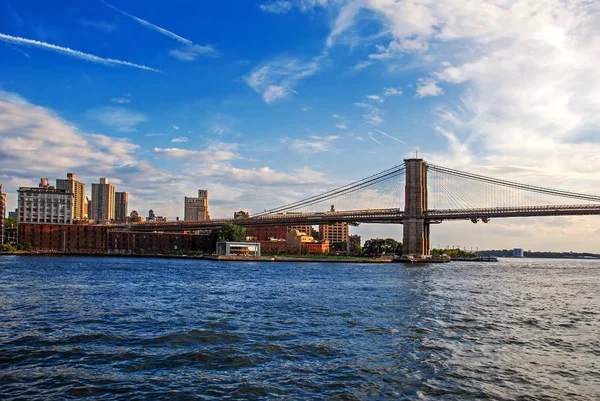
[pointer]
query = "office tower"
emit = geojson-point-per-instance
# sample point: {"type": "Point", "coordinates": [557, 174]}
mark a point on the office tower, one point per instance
{"type": "Point", "coordinates": [197, 208]}
{"type": "Point", "coordinates": [2, 214]}
{"type": "Point", "coordinates": [103, 201]}
{"type": "Point", "coordinates": [45, 204]}
{"type": "Point", "coordinates": [151, 215]}
{"type": "Point", "coordinates": [334, 233]}
{"type": "Point", "coordinates": [121, 206]}
{"type": "Point", "coordinates": [78, 189]}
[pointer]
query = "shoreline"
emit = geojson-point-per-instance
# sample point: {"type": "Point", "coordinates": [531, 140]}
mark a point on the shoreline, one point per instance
{"type": "Point", "coordinates": [336, 259]}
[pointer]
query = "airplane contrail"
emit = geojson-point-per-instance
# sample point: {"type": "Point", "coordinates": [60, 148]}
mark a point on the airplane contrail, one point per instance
{"type": "Point", "coordinates": [389, 136]}
{"type": "Point", "coordinates": [375, 140]}
{"type": "Point", "coordinates": [147, 24]}
{"type": "Point", "coordinates": [70, 52]}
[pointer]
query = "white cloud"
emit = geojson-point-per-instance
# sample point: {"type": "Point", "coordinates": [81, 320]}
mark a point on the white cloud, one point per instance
{"type": "Point", "coordinates": [70, 52]}
{"type": "Point", "coordinates": [260, 176]}
{"type": "Point", "coordinates": [192, 52]}
{"type": "Point", "coordinates": [125, 99]}
{"type": "Point", "coordinates": [342, 126]}
{"type": "Point", "coordinates": [175, 127]}
{"type": "Point", "coordinates": [315, 144]}
{"type": "Point", "coordinates": [391, 92]}
{"type": "Point", "coordinates": [343, 21]}
{"type": "Point", "coordinates": [336, 116]}
{"type": "Point", "coordinates": [216, 151]}
{"type": "Point", "coordinates": [362, 65]}
{"type": "Point", "coordinates": [428, 87]}
{"type": "Point", "coordinates": [375, 98]}
{"type": "Point", "coordinates": [274, 80]}
{"type": "Point", "coordinates": [277, 7]}
{"type": "Point", "coordinates": [306, 108]}
{"type": "Point", "coordinates": [151, 134]}
{"type": "Point", "coordinates": [118, 118]}
{"type": "Point", "coordinates": [372, 115]}
{"type": "Point", "coordinates": [358, 138]}
{"type": "Point", "coordinates": [36, 142]}
{"type": "Point", "coordinates": [180, 139]}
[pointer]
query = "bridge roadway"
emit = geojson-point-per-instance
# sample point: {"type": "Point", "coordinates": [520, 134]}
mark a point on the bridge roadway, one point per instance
{"type": "Point", "coordinates": [521, 211]}
{"type": "Point", "coordinates": [380, 216]}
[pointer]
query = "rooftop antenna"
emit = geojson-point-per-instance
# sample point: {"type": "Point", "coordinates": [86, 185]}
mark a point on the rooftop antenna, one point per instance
{"type": "Point", "coordinates": [416, 154]}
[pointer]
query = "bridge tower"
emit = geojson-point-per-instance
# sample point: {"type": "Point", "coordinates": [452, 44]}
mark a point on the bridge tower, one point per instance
{"type": "Point", "coordinates": [416, 231]}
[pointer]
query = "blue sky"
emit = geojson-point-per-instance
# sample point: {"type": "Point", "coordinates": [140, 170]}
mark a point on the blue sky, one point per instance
{"type": "Point", "coordinates": [264, 102]}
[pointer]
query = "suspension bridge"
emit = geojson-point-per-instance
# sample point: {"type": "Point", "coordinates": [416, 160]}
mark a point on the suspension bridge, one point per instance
{"type": "Point", "coordinates": [415, 194]}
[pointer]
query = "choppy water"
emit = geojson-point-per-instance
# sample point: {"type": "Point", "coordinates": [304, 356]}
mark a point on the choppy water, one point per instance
{"type": "Point", "coordinates": [108, 328]}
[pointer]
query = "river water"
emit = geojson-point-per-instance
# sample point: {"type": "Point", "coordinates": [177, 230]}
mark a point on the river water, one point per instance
{"type": "Point", "coordinates": [112, 328]}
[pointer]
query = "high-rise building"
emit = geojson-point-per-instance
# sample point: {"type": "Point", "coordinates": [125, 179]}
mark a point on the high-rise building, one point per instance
{"type": "Point", "coordinates": [334, 233]}
{"type": "Point", "coordinates": [103, 201]}
{"type": "Point", "coordinates": [86, 208]}
{"type": "Point", "coordinates": [78, 189]}
{"type": "Point", "coordinates": [2, 213]}
{"type": "Point", "coordinates": [197, 208]}
{"type": "Point", "coordinates": [45, 204]}
{"type": "Point", "coordinates": [151, 215]}
{"type": "Point", "coordinates": [121, 206]}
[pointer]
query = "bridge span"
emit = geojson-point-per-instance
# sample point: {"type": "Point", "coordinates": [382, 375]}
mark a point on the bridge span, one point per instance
{"type": "Point", "coordinates": [424, 194]}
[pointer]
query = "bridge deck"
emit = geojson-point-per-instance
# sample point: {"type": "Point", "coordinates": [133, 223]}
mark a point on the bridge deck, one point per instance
{"type": "Point", "coordinates": [379, 216]}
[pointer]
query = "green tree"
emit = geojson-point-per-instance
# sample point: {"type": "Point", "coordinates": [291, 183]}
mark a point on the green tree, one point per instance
{"type": "Point", "coordinates": [228, 233]}
{"type": "Point", "coordinates": [454, 253]}
{"type": "Point", "coordinates": [378, 246]}
{"type": "Point", "coordinates": [355, 249]}
{"type": "Point", "coordinates": [338, 247]}
{"type": "Point", "coordinates": [10, 223]}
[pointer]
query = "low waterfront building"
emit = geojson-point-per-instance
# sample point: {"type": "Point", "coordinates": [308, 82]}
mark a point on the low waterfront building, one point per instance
{"type": "Point", "coordinates": [45, 204]}
{"type": "Point", "coordinates": [74, 238]}
{"type": "Point", "coordinates": [518, 253]}
{"type": "Point", "coordinates": [301, 241]}
{"type": "Point", "coordinates": [64, 237]}
{"type": "Point", "coordinates": [274, 246]}
{"type": "Point", "coordinates": [126, 242]}
{"type": "Point", "coordinates": [267, 233]}
{"type": "Point", "coordinates": [10, 236]}
{"type": "Point", "coordinates": [238, 248]}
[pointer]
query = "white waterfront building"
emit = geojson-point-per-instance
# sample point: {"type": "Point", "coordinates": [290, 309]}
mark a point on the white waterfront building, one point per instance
{"type": "Point", "coordinates": [45, 204]}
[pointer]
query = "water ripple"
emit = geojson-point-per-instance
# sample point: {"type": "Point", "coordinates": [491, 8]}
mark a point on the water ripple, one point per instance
{"type": "Point", "coordinates": [138, 329]}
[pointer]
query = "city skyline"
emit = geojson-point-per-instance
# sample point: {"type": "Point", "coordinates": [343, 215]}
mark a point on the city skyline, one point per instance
{"type": "Point", "coordinates": [335, 91]}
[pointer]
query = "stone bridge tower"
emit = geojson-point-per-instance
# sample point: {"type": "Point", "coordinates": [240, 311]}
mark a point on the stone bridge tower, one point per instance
{"type": "Point", "coordinates": [416, 230]}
